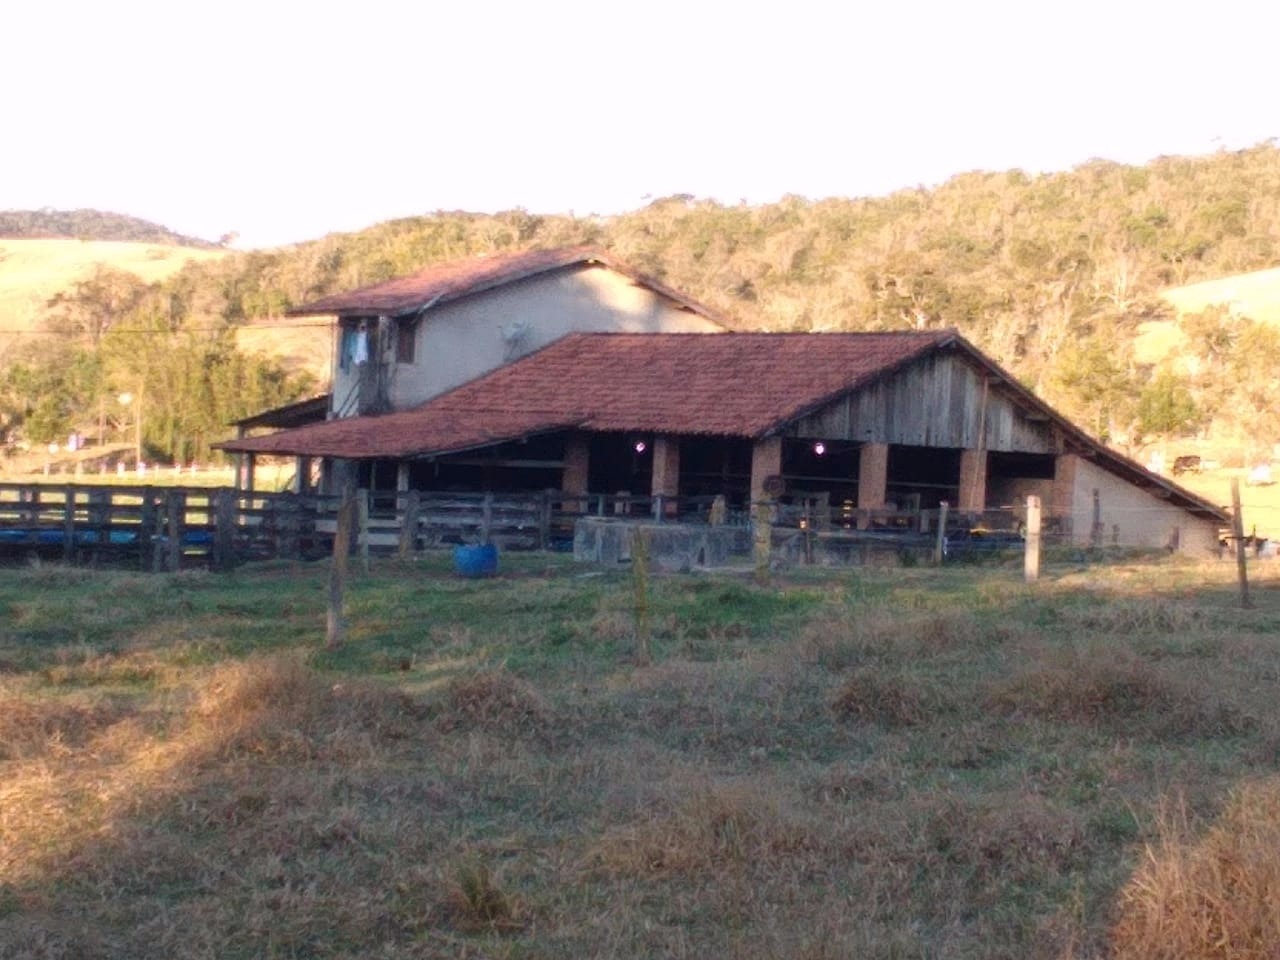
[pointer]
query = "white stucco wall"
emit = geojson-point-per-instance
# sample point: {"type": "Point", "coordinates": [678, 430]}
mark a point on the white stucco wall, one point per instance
{"type": "Point", "coordinates": [459, 341]}
{"type": "Point", "coordinates": [1144, 520]}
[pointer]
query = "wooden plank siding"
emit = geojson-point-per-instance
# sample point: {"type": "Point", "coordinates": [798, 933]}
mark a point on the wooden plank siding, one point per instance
{"type": "Point", "coordinates": [935, 402]}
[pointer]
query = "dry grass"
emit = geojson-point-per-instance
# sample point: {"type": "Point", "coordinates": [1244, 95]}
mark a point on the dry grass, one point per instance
{"type": "Point", "coordinates": [929, 764]}
{"type": "Point", "coordinates": [888, 633]}
{"type": "Point", "coordinates": [708, 826]}
{"type": "Point", "coordinates": [1106, 687]}
{"type": "Point", "coordinates": [476, 902]}
{"type": "Point", "coordinates": [869, 696]}
{"type": "Point", "coordinates": [496, 701]}
{"type": "Point", "coordinates": [1212, 896]}
{"type": "Point", "coordinates": [1128, 616]}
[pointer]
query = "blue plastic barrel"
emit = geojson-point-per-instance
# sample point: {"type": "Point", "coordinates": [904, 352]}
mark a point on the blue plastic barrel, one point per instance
{"type": "Point", "coordinates": [476, 561]}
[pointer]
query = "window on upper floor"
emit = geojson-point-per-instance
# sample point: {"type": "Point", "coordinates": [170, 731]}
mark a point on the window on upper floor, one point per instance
{"type": "Point", "coordinates": [353, 345]}
{"type": "Point", "coordinates": [406, 341]}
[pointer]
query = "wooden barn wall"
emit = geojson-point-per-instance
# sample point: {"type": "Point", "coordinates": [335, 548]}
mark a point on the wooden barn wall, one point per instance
{"type": "Point", "coordinates": [935, 402]}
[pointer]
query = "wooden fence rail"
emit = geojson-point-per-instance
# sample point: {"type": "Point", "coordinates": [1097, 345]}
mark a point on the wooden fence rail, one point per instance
{"type": "Point", "coordinates": [166, 528]}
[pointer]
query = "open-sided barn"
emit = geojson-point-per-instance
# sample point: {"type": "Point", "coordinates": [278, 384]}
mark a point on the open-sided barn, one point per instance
{"type": "Point", "coordinates": [867, 421]}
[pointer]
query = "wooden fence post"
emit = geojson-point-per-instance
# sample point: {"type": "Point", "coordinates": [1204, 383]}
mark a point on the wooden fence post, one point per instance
{"type": "Point", "coordinates": [762, 538]}
{"type": "Point", "coordinates": [940, 541]}
{"type": "Point", "coordinates": [69, 524]}
{"type": "Point", "coordinates": [1095, 532]}
{"type": "Point", "coordinates": [362, 508]}
{"type": "Point", "coordinates": [486, 518]}
{"type": "Point", "coordinates": [224, 530]}
{"type": "Point", "coordinates": [338, 568]}
{"type": "Point", "coordinates": [147, 529]}
{"type": "Point", "coordinates": [1031, 554]}
{"type": "Point", "coordinates": [409, 524]}
{"type": "Point", "coordinates": [1237, 531]}
{"type": "Point", "coordinates": [544, 520]}
{"type": "Point", "coordinates": [176, 507]}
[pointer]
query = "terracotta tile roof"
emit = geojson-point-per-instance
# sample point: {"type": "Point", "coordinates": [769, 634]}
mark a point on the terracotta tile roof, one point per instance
{"type": "Point", "coordinates": [739, 384]}
{"type": "Point", "coordinates": [443, 282]}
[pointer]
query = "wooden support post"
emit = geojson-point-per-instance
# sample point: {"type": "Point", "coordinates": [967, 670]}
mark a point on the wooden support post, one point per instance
{"type": "Point", "coordinates": [486, 518]}
{"type": "Point", "coordinates": [362, 508]}
{"type": "Point", "coordinates": [175, 505]}
{"type": "Point", "coordinates": [1031, 554]}
{"type": "Point", "coordinates": [1237, 531]}
{"type": "Point", "coordinates": [1096, 530]}
{"type": "Point", "coordinates": [69, 524]}
{"type": "Point", "coordinates": [665, 480]}
{"type": "Point", "coordinates": [334, 626]}
{"type": "Point", "coordinates": [766, 462]}
{"type": "Point", "coordinates": [147, 529]}
{"type": "Point", "coordinates": [411, 503]}
{"type": "Point", "coordinates": [719, 514]}
{"type": "Point", "coordinates": [873, 480]}
{"type": "Point", "coordinates": [807, 523]}
{"type": "Point", "coordinates": [576, 472]}
{"type": "Point", "coordinates": [973, 481]}
{"type": "Point", "coordinates": [822, 504]}
{"type": "Point", "coordinates": [762, 538]}
{"type": "Point", "coordinates": [544, 518]}
{"type": "Point", "coordinates": [224, 530]}
{"type": "Point", "coordinates": [940, 541]}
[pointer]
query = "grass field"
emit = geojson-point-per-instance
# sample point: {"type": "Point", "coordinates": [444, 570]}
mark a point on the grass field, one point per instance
{"type": "Point", "coordinates": [905, 763]}
{"type": "Point", "coordinates": [1255, 295]}
{"type": "Point", "coordinates": [32, 271]}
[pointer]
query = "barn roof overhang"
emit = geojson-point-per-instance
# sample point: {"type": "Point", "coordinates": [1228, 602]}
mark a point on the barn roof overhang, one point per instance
{"type": "Point", "coordinates": [738, 385]}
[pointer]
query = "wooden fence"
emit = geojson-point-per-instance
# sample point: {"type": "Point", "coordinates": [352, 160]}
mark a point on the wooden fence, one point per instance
{"type": "Point", "coordinates": [166, 528]}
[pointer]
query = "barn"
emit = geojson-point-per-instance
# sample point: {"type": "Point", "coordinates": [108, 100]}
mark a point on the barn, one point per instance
{"type": "Point", "coordinates": [874, 426]}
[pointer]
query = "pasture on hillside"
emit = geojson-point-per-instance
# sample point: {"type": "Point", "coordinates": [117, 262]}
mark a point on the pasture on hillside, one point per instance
{"type": "Point", "coordinates": [873, 763]}
{"type": "Point", "coordinates": [34, 270]}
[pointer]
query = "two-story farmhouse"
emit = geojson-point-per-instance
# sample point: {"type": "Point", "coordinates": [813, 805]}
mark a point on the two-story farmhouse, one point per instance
{"type": "Point", "coordinates": [566, 370]}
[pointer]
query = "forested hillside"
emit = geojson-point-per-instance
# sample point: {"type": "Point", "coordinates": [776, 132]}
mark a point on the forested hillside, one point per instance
{"type": "Point", "coordinates": [1051, 274]}
{"type": "Point", "coordinates": [90, 225]}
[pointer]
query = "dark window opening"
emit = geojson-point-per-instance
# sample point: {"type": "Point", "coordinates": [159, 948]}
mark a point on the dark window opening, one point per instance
{"type": "Point", "coordinates": [1012, 477]}
{"type": "Point", "coordinates": [620, 462]}
{"type": "Point", "coordinates": [812, 467]}
{"type": "Point", "coordinates": [528, 466]}
{"type": "Point", "coordinates": [406, 341]}
{"type": "Point", "coordinates": [922, 477]}
{"type": "Point", "coordinates": [711, 466]}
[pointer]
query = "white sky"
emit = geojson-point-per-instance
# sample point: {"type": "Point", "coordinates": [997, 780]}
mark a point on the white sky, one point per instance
{"type": "Point", "coordinates": [285, 121]}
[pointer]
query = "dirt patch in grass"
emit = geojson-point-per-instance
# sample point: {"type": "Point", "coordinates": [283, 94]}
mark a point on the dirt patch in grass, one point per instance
{"type": "Point", "coordinates": [1215, 895]}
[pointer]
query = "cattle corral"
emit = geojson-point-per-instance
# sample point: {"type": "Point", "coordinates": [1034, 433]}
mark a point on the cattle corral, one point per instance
{"type": "Point", "coordinates": [161, 528]}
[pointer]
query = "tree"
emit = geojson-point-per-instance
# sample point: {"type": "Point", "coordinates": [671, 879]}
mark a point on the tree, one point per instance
{"type": "Point", "coordinates": [1166, 407]}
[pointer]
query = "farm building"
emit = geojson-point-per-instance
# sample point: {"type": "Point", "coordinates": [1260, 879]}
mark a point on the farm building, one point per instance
{"type": "Point", "coordinates": [567, 371]}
